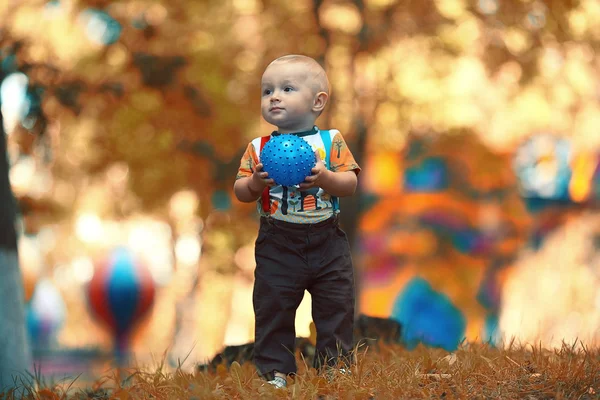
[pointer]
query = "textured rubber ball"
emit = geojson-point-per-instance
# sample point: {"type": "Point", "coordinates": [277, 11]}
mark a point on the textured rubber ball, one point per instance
{"type": "Point", "coordinates": [288, 159]}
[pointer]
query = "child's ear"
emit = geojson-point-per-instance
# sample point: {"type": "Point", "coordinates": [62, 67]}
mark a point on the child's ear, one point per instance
{"type": "Point", "coordinates": [320, 101]}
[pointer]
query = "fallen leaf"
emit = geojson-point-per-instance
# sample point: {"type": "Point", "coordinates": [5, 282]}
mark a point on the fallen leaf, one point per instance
{"type": "Point", "coordinates": [513, 361]}
{"type": "Point", "coordinates": [489, 362]}
{"type": "Point", "coordinates": [451, 359]}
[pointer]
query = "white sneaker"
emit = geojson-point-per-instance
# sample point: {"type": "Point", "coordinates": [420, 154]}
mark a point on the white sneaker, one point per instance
{"type": "Point", "coordinates": [331, 373]}
{"type": "Point", "coordinates": [278, 382]}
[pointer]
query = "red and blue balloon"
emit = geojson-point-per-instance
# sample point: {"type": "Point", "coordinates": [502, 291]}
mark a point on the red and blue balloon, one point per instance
{"type": "Point", "coordinates": [120, 293]}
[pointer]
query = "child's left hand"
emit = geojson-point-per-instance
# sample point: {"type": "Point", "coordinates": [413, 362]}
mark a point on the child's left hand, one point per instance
{"type": "Point", "coordinates": [319, 171]}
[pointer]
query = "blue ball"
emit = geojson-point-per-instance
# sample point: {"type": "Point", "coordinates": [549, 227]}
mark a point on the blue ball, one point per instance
{"type": "Point", "coordinates": [288, 159]}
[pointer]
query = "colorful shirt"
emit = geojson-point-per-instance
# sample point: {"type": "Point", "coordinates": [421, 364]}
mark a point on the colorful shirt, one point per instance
{"type": "Point", "coordinates": [289, 203]}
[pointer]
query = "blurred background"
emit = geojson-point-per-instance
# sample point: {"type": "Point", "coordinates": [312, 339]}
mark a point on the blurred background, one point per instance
{"type": "Point", "coordinates": [476, 124]}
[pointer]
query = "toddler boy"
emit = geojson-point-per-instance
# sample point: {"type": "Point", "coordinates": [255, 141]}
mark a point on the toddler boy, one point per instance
{"type": "Point", "coordinates": [300, 245]}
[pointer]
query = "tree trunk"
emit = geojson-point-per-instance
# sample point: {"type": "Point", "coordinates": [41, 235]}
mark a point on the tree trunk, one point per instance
{"type": "Point", "coordinates": [350, 215]}
{"type": "Point", "coordinates": [15, 356]}
{"type": "Point", "coordinates": [350, 206]}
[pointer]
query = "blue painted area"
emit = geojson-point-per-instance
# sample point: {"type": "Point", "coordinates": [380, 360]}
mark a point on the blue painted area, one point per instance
{"type": "Point", "coordinates": [492, 333]}
{"type": "Point", "coordinates": [123, 290]}
{"type": "Point", "coordinates": [465, 241]}
{"type": "Point", "coordinates": [536, 205]}
{"type": "Point", "coordinates": [429, 176]}
{"type": "Point", "coordinates": [428, 317]}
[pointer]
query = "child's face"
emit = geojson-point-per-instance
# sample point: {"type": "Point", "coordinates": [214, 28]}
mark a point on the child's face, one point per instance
{"type": "Point", "coordinates": [288, 97]}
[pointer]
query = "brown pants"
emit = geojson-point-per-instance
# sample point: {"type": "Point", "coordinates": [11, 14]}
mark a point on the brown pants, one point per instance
{"type": "Point", "coordinates": [292, 258]}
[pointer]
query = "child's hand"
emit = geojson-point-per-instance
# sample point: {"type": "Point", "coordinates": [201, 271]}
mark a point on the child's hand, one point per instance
{"type": "Point", "coordinates": [319, 173]}
{"type": "Point", "coordinates": [260, 179]}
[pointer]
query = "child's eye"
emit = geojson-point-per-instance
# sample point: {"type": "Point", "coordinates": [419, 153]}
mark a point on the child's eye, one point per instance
{"type": "Point", "coordinates": [288, 89]}
{"type": "Point", "coordinates": [267, 92]}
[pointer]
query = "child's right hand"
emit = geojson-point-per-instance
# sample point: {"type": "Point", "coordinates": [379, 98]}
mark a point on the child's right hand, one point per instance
{"type": "Point", "coordinates": [260, 178]}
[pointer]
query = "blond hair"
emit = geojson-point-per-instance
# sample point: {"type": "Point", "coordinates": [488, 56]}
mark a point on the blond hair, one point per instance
{"type": "Point", "coordinates": [317, 74]}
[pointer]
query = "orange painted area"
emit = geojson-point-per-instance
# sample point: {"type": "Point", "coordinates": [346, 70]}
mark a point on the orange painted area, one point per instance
{"type": "Point", "coordinates": [274, 207]}
{"type": "Point", "coordinates": [475, 328]}
{"type": "Point", "coordinates": [310, 203]}
{"type": "Point", "coordinates": [377, 218]}
{"type": "Point", "coordinates": [417, 244]}
{"type": "Point", "coordinates": [584, 166]}
{"type": "Point", "coordinates": [385, 173]}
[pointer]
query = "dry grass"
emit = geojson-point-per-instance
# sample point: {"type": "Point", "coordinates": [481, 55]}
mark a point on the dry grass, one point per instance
{"type": "Point", "coordinates": [474, 371]}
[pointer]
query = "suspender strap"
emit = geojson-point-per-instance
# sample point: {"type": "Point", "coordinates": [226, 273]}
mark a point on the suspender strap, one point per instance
{"type": "Point", "coordinates": [326, 138]}
{"type": "Point", "coordinates": [266, 203]}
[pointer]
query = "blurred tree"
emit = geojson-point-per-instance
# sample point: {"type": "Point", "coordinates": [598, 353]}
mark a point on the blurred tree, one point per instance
{"type": "Point", "coordinates": [15, 357]}
{"type": "Point", "coordinates": [147, 82]}
{"type": "Point", "coordinates": [169, 89]}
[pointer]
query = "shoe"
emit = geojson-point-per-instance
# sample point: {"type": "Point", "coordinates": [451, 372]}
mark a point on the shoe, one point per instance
{"type": "Point", "coordinates": [331, 373]}
{"type": "Point", "coordinates": [278, 382]}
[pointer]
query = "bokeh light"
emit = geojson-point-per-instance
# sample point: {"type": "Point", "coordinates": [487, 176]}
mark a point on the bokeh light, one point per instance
{"type": "Point", "coordinates": [475, 123]}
